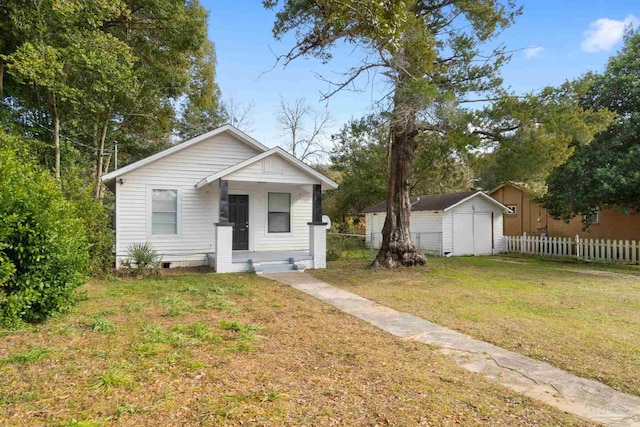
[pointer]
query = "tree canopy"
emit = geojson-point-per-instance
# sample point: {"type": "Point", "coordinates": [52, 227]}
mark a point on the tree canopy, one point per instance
{"type": "Point", "coordinates": [605, 173]}
{"type": "Point", "coordinates": [75, 76]}
{"type": "Point", "coordinates": [361, 156]}
{"type": "Point", "coordinates": [94, 72]}
{"type": "Point", "coordinates": [527, 137]}
{"type": "Point", "coordinates": [431, 54]}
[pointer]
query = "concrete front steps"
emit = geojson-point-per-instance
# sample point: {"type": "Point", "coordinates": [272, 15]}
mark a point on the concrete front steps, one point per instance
{"type": "Point", "coordinates": [290, 265]}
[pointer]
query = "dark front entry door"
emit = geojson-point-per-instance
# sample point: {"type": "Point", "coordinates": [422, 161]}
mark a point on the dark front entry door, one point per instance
{"type": "Point", "coordinates": [239, 216]}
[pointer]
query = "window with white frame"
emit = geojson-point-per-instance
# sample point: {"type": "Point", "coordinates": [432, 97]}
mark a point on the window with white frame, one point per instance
{"type": "Point", "coordinates": [513, 209]}
{"type": "Point", "coordinates": [164, 212]}
{"type": "Point", "coordinates": [593, 218]}
{"type": "Point", "coordinates": [279, 215]}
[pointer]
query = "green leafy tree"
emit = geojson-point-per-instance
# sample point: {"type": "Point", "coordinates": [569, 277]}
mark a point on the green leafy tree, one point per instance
{"type": "Point", "coordinates": [428, 51]}
{"type": "Point", "coordinates": [76, 76]}
{"type": "Point", "coordinates": [43, 251]}
{"type": "Point", "coordinates": [94, 72]}
{"type": "Point", "coordinates": [529, 136]}
{"type": "Point", "coordinates": [361, 157]}
{"type": "Point", "coordinates": [605, 173]}
{"type": "Point", "coordinates": [202, 109]}
{"type": "Point", "coordinates": [175, 71]}
{"type": "Point", "coordinates": [65, 57]}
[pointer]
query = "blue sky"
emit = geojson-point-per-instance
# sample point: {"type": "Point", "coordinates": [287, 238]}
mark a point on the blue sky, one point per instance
{"type": "Point", "coordinates": [559, 40]}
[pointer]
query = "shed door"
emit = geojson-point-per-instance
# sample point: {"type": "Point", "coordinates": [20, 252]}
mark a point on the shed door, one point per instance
{"type": "Point", "coordinates": [472, 234]}
{"type": "Point", "coordinates": [463, 235]}
{"type": "Point", "coordinates": [482, 233]}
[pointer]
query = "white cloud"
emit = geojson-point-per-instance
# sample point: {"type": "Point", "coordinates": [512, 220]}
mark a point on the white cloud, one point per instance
{"type": "Point", "coordinates": [603, 34]}
{"type": "Point", "coordinates": [533, 52]}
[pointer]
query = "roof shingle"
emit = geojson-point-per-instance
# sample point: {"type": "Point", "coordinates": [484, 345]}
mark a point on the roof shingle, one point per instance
{"type": "Point", "coordinates": [428, 202]}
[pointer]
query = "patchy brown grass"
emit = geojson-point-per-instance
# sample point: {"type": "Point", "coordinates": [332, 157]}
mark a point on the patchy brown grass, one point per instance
{"type": "Point", "coordinates": [207, 349]}
{"type": "Point", "coordinates": [579, 317]}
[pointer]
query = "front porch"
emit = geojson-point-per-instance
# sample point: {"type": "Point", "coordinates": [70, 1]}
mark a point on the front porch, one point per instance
{"type": "Point", "coordinates": [266, 261]}
{"type": "Point", "coordinates": [269, 215]}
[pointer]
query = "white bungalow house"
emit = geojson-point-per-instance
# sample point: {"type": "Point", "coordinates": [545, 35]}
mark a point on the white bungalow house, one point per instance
{"type": "Point", "coordinates": [466, 223]}
{"type": "Point", "coordinates": [225, 200]}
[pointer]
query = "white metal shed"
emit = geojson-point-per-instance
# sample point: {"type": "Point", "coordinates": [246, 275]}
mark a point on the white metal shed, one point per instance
{"type": "Point", "coordinates": [466, 223]}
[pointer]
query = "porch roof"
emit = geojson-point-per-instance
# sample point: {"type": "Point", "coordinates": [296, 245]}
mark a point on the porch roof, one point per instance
{"type": "Point", "coordinates": [247, 170]}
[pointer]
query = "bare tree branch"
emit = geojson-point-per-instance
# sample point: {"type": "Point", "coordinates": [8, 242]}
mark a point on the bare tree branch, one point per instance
{"type": "Point", "coordinates": [239, 114]}
{"type": "Point", "coordinates": [304, 128]}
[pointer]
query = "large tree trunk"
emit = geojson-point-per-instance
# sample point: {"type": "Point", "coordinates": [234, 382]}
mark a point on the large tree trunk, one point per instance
{"type": "Point", "coordinates": [397, 248]}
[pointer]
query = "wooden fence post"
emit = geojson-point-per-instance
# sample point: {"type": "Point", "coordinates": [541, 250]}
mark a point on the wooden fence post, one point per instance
{"type": "Point", "coordinates": [577, 246]}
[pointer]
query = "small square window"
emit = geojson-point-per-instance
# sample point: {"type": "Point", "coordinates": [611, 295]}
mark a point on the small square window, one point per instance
{"type": "Point", "coordinates": [513, 209]}
{"type": "Point", "coordinates": [593, 218]}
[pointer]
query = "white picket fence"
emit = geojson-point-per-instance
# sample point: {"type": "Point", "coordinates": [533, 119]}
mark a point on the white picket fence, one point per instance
{"type": "Point", "coordinates": [585, 249]}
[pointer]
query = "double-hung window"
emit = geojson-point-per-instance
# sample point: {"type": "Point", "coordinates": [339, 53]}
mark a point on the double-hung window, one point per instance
{"type": "Point", "coordinates": [279, 215]}
{"type": "Point", "coordinates": [164, 212]}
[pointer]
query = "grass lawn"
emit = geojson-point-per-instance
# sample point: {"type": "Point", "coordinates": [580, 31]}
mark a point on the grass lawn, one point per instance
{"type": "Point", "coordinates": [587, 324]}
{"type": "Point", "coordinates": [207, 349]}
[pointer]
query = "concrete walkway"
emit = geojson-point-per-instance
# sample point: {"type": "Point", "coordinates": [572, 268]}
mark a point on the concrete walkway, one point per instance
{"type": "Point", "coordinates": [582, 397]}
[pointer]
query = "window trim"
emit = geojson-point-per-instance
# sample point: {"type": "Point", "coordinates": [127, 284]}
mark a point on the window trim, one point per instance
{"type": "Point", "coordinates": [149, 209]}
{"type": "Point", "coordinates": [595, 212]}
{"type": "Point", "coordinates": [280, 233]}
{"type": "Point", "coordinates": [514, 210]}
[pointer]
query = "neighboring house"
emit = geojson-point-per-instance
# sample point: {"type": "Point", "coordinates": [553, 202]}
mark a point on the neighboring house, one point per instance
{"type": "Point", "coordinates": [222, 199]}
{"type": "Point", "coordinates": [467, 223]}
{"type": "Point", "coordinates": [531, 218]}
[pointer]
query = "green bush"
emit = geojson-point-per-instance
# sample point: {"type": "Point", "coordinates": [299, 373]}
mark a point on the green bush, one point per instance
{"type": "Point", "coordinates": [43, 249]}
{"type": "Point", "coordinates": [142, 259]}
{"type": "Point", "coordinates": [341, 247]}
{"type": "Point", "coordinates": [332, 255]}
{"type": "Point", "coordinates": [96, 220]}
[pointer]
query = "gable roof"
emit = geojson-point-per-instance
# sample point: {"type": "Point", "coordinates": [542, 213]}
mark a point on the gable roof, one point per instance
{"type": "Point", "coordinates": [438, 202]}
{"type": "Point", "coordinates": [326, 182]}
{"type": "Point", "coordinates": [241, 136]}
{"type": "Point", "coordinates": [519, 186]}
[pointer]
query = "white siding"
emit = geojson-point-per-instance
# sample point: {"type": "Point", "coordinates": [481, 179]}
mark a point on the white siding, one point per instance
{"type": "Point", "coordinates": [428, 226]}
{"type": "Point", "coordinates": [426, 229]}
{"type": "Point", "coordinates": [498, 232]}
{"type": "Point", "coordinates": [447, 233]}
{"type": "Point", "coordinates": [301, 213]}
{"type": "Point", "coordinates": [430, 223]}
{"type": "Point", "coordinates": [480, 205]}
{"type": "Point", "coordinates": [198, 208]}
{"type": "Point", "coordinates": [272, 169]}
{"type": "Point", "coordinates": [374, 223]}
{"type": "Point", "coordinates": [426, 222]}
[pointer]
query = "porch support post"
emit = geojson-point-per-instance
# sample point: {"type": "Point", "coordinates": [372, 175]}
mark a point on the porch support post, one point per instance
{"type": "Point", "coordinates": [318, 231]}
{"type": "Point", "coordinates": [224, 232]}
{"type": "Point", "coordinates": [317, 203]}
{"type": "Point", "coordinates": [223, 217]}
{"type": "Point", "coordinates": [318, 244]}
{"type": "Point", "coordinates": [224, 254]}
